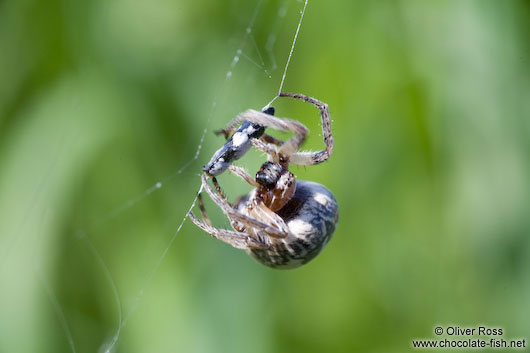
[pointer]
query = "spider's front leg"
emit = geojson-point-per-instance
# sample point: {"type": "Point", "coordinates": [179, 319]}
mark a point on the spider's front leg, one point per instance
{"type": "Point", "coordinates": [242, 173]}
{"type": "Point", "coordinates": [310, 158]}
{"type": "Point", "coordinates": [269, 149]}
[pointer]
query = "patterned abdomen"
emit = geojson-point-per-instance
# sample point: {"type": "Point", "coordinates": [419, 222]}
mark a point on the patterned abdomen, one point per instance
{"type": "Point", "coordinates": [311, 215]}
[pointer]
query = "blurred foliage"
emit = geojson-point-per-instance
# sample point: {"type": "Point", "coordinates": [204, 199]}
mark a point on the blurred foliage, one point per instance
{"type": "Point", "coordinates": [100, 100]}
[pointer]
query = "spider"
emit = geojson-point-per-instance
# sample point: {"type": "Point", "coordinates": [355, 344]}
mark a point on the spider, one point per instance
{"type": "Point", "coordinates": [282, 222]}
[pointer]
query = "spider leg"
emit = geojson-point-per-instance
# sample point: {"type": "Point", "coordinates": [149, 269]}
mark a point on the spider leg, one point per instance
{"type": "Point", "coordinates": [220, 191]}
{"type": "Point", "coordinates": [238, 240]}
{"type": "Point", "coordinates": [242, 173]}
{"type": "Point", "coordinates": [277, 230]}
{"type": "Point", "coordinates": [271, 139]}
{"type": "Point", "coordinates": [267, 144]}
{"type": "Point", "coordinates": [203, 211]}
{"type": "Point", "coordinates": [267, 148]}
{"type": "Point", "coordinates": [310, 158]}
{"type": "Point", "coordinates": [259, 211]}
{"type": "Point", "coordinates": [283, 124]}
{"type": "Point", "coordinates": [235, 224]}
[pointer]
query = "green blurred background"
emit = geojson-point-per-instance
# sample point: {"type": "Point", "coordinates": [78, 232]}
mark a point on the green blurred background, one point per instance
{"type": "Point", "coordinates": [100, 100]}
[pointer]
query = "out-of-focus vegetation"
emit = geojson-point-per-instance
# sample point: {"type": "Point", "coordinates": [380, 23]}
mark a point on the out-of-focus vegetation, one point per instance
{"type": "Point", "coordinates": [100, 100]}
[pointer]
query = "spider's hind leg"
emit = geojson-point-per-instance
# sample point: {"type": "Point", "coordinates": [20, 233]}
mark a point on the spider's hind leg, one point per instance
{"type": "Point", "coordinates": [238, 240]}
{"type": "Point", "coordinates": [278, 230]}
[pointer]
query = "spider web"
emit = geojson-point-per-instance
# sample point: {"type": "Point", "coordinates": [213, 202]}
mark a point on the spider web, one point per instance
{"type": "Point", "coordinates": [248, 50]}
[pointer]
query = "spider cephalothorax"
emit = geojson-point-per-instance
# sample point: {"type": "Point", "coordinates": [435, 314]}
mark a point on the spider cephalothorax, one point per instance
{"type": "Point", "coordinates": [282, 222]}
{"type": "Point", "coordinates": [277, 185]}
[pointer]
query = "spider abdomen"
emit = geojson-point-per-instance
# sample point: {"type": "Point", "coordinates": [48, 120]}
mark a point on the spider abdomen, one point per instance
{"type": "Point", "coordinates": [311, 215]}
